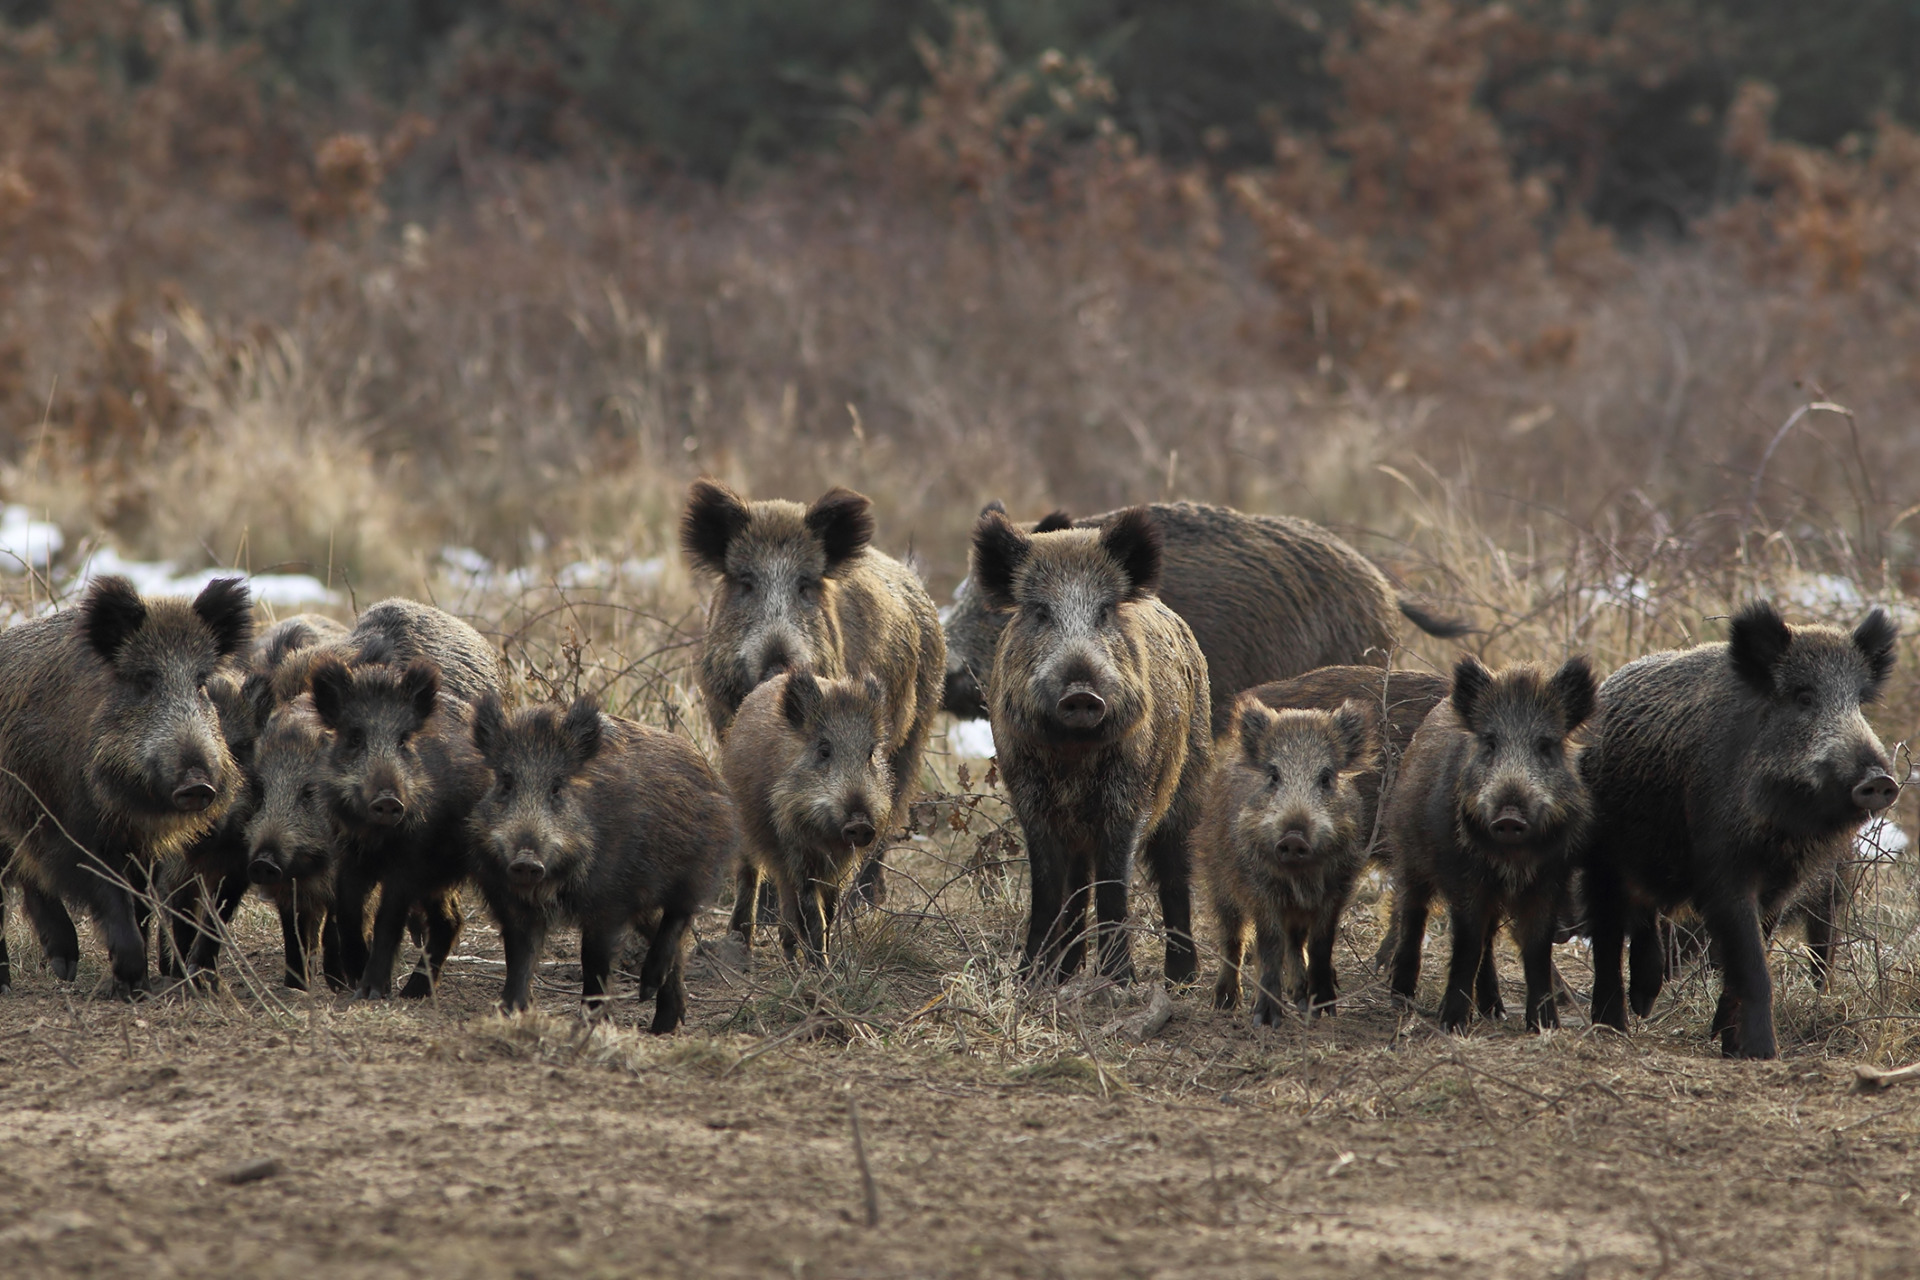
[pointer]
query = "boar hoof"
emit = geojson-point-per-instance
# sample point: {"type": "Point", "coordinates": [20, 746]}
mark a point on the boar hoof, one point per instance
{"type": "Point", "coordinates": [203, 980]}
{"type": "Point", "coordinates": [1226, 995]}
{"type": "Point", "coordinates": [1268, 1013]}
{"type": "Point", "coordinates": [65, 968]}
{"type": "Point", "coordinates": [6, 988]}
{"type": "Point", "coordinates": [418, 986]}
{"type": "Point", "coordinates": [294, 983]}
{"type": "Point", "coordinates": [368, 991]}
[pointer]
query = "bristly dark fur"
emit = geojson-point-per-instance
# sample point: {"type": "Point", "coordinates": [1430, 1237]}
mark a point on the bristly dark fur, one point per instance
{"type": "Point", "coordinates": [1052, 522]}
{"type": "Point", "coordinates": [999, 549]}
{"type": "Point", "coordinates": [1875, 637]}
{"type": "Point", "coordinates": [226, 607]}
{"type": "Point", "coordinates": [111, 612]}
{"type": "Point", "coordinates": [1134, 542]}
{"type": "Point", "coordinates": [1756, 641]}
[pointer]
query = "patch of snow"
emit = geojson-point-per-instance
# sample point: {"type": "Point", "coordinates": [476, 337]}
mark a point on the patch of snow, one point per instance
{"type": "Point", "coordinates": [161, 579]}
{"type": "Point", "coordinates": [1881, 840]}
{"type": "Point", "coordinates": [26, 543]}
{"type": "Point", "coordinates": [971, 738]}
{"type": "Point", "coordinates": [472, 571]}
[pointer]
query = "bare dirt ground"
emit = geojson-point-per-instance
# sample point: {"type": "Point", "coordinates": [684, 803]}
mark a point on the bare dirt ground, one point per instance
{"type": "Point", "coordinates": [1007, 1133]}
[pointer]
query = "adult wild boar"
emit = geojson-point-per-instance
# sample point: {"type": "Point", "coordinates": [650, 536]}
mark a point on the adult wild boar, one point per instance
{"type": "Point", "coordinates": [1267, 597]}
{"type": "Point", "coordinates": [1488, 811]}
{"type": "Point", "coordinates": [1100, 716]}
{"type": "Point", "coordinates": [1730, 776]}
{"type": "Point", "coordinates": [605, 823]}
{"type": "Point", "coordinates": [1285, 834]}
{"type": "Point", "coordinates": [803, 587]}
{"type": "Point", "coordinates": [112, 752]}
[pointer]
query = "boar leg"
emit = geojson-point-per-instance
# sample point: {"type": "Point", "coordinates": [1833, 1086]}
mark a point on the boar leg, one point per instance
{"type": "Point", "coordinates": [1533, 931]}
{"type": "Point", "coordinates": [1279, 965]}
{"type": "Point", "coordinates": [389, 923]}
{"type": "Point", "coordinates": [293, 947]}
{"type": "Point", "coordinates": [1410, 902]}
{"type": "Point", "coordinates": [181, 928]}
{"type": "Point", "coordinates": [1471, 924]}
{"type": "Point", "coordinates": [870, 886]}
{"type": "Point", "coordinates": [1233, 949]}
{"type": "Point", "coordinates": [120, 919]}
{"type": "Point", "coordinates": [1646, 963]}
{"type": "Point", "coordinates": [349, 926]}
{"type": "Point", "coordinates": [1486, 982]}
{"type": "Point", "coordinates": [1046, 866]}
{"type": "Point", "coordinates": [1606, 914]}
{"type": "Point", "coordinates": [1823, 914]}
{"type": "Point", "coordinates": [204, 958]}
{"type": "Point", "coordinates": [1110, 890]}
{"type": "Point", "coordinates": [1745, 1016]}
{"type": "Point", "coordinates": [662, 978]}
{"type": "Point", "coordinates": [59, 941]}
{"type": "Point", "coordinates": [746, 897]}
{"type": "Point", "coordinates": [1320, 984]}
{"type": "Point", "coordinates": [521, 933]}
{"type": "Point", "coordinates": [1171, 861]}
{"type": "Point", "coordinates": [1073, 918]}
{"type": "Point", "coordinates": [812, 909]}
{"type": "Point", "coordinates": [443, 926]}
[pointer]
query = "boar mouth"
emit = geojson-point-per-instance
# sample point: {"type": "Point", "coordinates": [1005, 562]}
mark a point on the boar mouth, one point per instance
{"type": "Point", "coordinates": [963, 696]}
{"type": "Point", "coordinates": [1510, 825]}
{"type": "Point", "coordinates": [1293, 848]}
{"type": "Point", "coordinates": [1876, 792]}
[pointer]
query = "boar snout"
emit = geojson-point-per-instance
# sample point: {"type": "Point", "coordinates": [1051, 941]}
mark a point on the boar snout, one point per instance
{"type": "Point", "coordinates": [858, 830]}
{"type": "Point", "coordinates": [388, 809]}
{"type": "Point", "coordinates": [195, 792]}
{"type": "Point", "coordinates": [526, 870]}
{"type": "Point", "coordinates": [1294, 844]}
{"type": "Point", "coordinates": [1876, 791]}
{"type": "Point", "coordinates": [266, 867]}
{"type": "Point", "coordinates": [1081, 708]}
{"type": "Point", "coordinates": [1509, 824]}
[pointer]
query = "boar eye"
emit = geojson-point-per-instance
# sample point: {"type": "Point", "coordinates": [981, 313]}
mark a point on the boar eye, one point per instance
{"type": "Point", "coordinates": [356, 739]}
{"type": "Point", "coordinates": [505, 781]}
{"type": "Point", "coordinates": [1803, 696]}
{"type": "Point", "coordinates": [1273, 775]}
{"type": "Point", "coordinates": [559, 785]}
{"type": "Point", "coordinates": [809, 588]}
{"type": "Point", "coordinates": [1493, 743]}
{"type": "Point", "coordinates": [824, 751]}
{"type": "Point", "coordinates": [1544, 746]}
{"type": "Point", "coordinates": [1042, 615]}
{"type": "Point", "coordinates": [1326, 779]}
{"type": "Point", "coordinates": [308, 794]}
{"type": "Point", "coordinates": [1106, 615]}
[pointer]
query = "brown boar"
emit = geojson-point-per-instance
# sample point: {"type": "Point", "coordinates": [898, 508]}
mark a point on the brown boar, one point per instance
{"type": "Point", "coordinates": [1285, 834]}
{"type": "Point", "coordinates": [289, 837]}
{"type": "Point", "coordinates": [1100, 718]}
{"type": "Point", "coordinates": [1487, 812]}
{"type": "Point", "coordinates": [809, 765]}
{"type": "Point", "coordinates": [392, 633]}
{"type": "Point", "coordinates": [803, 587]}
{"type": "Point", "coordinates": [604, 823]}
{"type": "Point", "coordinates": [111, 750]}
{"type": "Point", "coordinates": [1730, 777]}
{"type": "Point", "coordinates": [1267, 598]}
{"type": "Point", "coordinates": [401, 778]}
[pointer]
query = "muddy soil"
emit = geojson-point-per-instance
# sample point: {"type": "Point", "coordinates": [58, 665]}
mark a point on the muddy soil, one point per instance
{"type": "Point", "coordinates": [1002, 1139]}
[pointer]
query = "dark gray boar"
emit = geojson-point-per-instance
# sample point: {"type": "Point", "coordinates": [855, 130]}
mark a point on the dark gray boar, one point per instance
{"type": "Point", "coordinates": [1488, 811]}
{"type": "Point", "coordinates": [1730, 776]}
{"type": "Point", "coordinates": [1267, 597]}
{"type": "Point", "coordinates": [1284, 837]}
{"type": "Point", "coordinates": [604, 823]}
{"type": "Point", "coordinates": [392, 633]}
{"type": "Point", "coordinates": [278, 642]}
{"type": "Point", "coordinates": [1100, 717]}
{"type": "Point", "coordinates": [290, 842]}
{"type": "Point", "coordinates": [112, 752]}
{"type": "Point", "coordinates": [402, 777]}
{"type": "Point", "coordinates": [808, 762]}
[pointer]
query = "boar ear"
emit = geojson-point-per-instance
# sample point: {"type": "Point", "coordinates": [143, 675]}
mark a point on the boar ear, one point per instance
{"type": "Point", "coordinates": [110, 615]}
{"type": "Point", "coordinates": [1357, 730]}
{"type": "Point", "coordinates": [1470, 680]}
{"type": "Point", "coordinates": [1133, 540]}
{"type": "Point", "coordinates": [581, 729]}
{"type": "Point", "coordinates": [257, 692]}
{"type": "Point", "coordinates": [801, 698]}
{"type": "Point", "coordinates": [376, 650]}
{"type": "Point", "coordinates": [330, 682]}
{"type": "Point", "coordinates": [1054, 522]}
{"type": "Point", "coordinates": [1252, 719]}
{"type": "Point", "coordinates": [420, 683]}
{"type": "Point", "coordinates": [843, 521]}
{"type": "Point", "coordinates": [1757, 642]}
{"type": "Point", "coordinates": [226, 607]}
{"type": "Point", "coordinates": [999, 550]}
{"type": "Point", "coordinates": [714, 517]}
{"type": "Point", "coordinates": [994, 504]}
{"type": "Point", "coordinates": [1874, 638]}
{"type": "Point", "coordinates": [489, 723]}
{"type": "Point", "coordinates": [1573, 684]}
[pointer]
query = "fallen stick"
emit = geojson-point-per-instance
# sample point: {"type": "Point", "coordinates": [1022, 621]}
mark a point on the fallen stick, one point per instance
{"type": "Point", "coordinates": [1868, 1079]}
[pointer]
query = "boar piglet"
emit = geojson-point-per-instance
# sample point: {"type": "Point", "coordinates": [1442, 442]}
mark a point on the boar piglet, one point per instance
{"type": "Point", "coordinates": [1487, 812]}
{"type": "Point", "coordinates": [1732, 777]}
{"type": "Point", "coordinates": [113, 755]}
{"type": "Point", "coordinates": [402, 777]}
{"type": "Point", "coordinates": [1284, 837]}
{"type": "Point", "coordinates": [807, 762]}
{"type": "Point", "coordinates": [602, 823]}
{"type": "Point", "coordinates": [290, 837]}
{"type": "Point", "coordinates": [803, 587]}
{"type": "Point", "coordinates": [1100, 713]}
